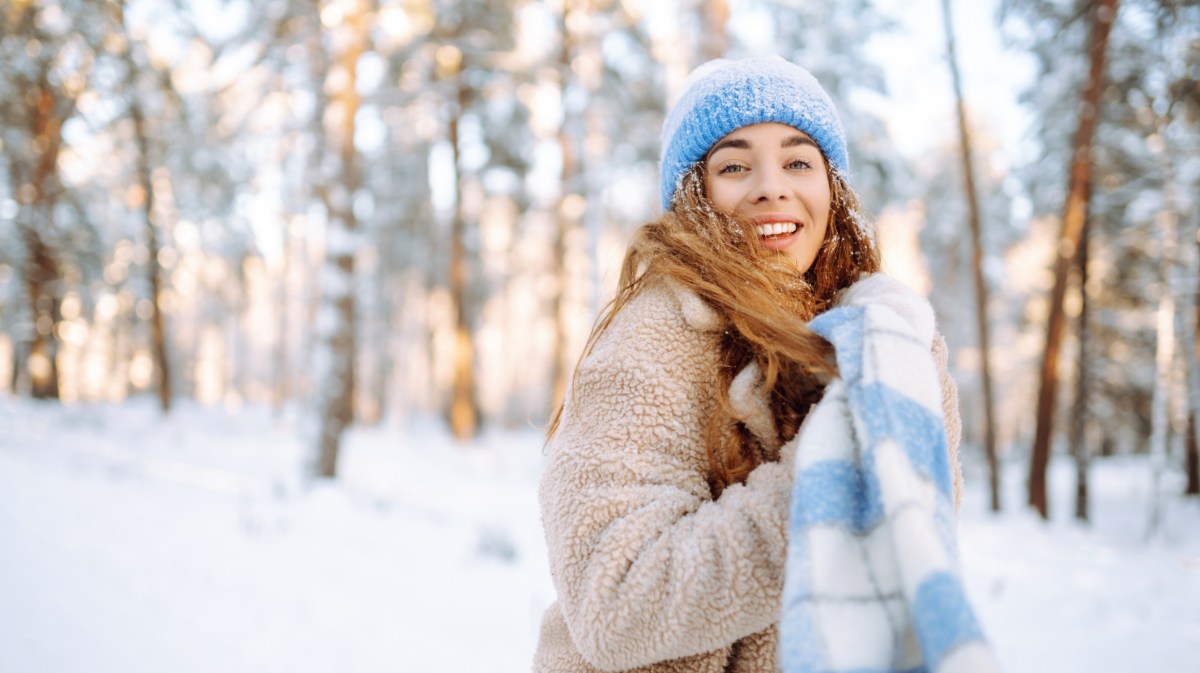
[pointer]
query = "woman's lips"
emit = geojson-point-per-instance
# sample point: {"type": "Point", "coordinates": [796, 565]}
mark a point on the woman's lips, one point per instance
{"type": "Point", "coordinates": [777, 231]}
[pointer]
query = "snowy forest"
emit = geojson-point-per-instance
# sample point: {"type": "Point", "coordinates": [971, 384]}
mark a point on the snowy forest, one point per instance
{"type": "Point", "coordinates": [289, 290]}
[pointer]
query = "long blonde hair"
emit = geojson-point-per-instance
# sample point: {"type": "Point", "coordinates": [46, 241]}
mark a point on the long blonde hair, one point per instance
{"type": "Point", "coordinates": [763, 300]}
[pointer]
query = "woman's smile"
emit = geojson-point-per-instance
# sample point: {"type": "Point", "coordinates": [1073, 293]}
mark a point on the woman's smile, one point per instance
{"type": "Point", "coordinates": [777, 231]}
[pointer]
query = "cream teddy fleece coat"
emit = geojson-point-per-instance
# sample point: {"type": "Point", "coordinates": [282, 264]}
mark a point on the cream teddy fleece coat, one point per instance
{"type": "Point", "coordinates": [652, 573]}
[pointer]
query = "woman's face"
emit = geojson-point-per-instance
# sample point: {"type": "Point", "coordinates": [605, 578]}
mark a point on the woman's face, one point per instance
{"type": "Point", "coordinates": [775, 176]}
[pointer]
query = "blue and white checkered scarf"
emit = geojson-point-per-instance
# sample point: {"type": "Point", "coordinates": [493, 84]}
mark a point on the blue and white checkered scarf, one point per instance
{"type": "Point", "coordinates": [872, 581]}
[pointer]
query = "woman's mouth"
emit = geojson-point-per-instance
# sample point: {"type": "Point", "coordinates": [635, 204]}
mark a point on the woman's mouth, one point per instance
{"type": "Point", "coordinates": [777, 231]}
{"type": "Point", "coordinates": [774, 229]}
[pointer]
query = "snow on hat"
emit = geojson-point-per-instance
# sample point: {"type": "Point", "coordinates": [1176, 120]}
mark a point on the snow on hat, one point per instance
{"type": "Point", "coordinates": [722, 95]}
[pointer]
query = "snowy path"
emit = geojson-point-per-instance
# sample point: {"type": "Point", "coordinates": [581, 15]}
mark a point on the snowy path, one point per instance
{"type": "Point", "coordinates": [130, 544]}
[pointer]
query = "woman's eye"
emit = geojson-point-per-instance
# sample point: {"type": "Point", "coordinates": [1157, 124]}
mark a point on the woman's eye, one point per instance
{"type": "Point", "coordinates": [731, 168]}
{"type": "Point", "coordinates": [799, 164]}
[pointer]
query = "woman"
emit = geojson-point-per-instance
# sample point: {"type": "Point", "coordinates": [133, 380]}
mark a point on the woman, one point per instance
{"type": "Point", "coordinates": [666, 490]}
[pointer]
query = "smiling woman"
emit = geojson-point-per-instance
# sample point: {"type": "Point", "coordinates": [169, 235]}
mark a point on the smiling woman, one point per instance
{"type": "Point", "coordinates": [775, 176]}
{"type": "Point", "coordinates": [666, 492]}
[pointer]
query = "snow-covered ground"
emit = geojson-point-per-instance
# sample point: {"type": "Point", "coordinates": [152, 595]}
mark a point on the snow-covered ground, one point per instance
{"type": "Point", "coordinates": [132, 543]}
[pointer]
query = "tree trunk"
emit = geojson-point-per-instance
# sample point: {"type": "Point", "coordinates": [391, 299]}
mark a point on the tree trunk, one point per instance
{"type": "Point", "coordinates": [1079, 412]}
{"type": "Point", "coordinates": [981, 293]}
{"type": "Point", "coordinates": [1159, 423]}
{"type": "Point", "coordinates": [281, 390]}
{"type": "Point", "coordinates": [376, 334]}
{"type": "Point", "coordinates": [716, 16]}
{"type": "Point", "coordinates": [342, 179]}
{"type": "Point", "coordinates": [566, 214]}
{"type": "Point", "coordinates": [1074, 214]}
{"type": "Point", "coordinates": [464, 414]}
{"type": "Point", "coordinates": [42, 273]}
{"type": "Point", "coordinates": [1191, 346]}
{"type": "Point", "coordinates": [1172, 268]}
{"type": "Point", "coordinates": [1164, 356]}
{"type": "Point", "coordinates": [1192, 461]}
{"type": "Point", "coordinates": [1193, 430]}
{"type": "Point", "coordinates": [42, 284]}
{"type": "Point", "coordinates": [306, 382]}
{"type": "Point", "coordinates": [385, 365]}
{"type": "Point", "coordinates": [18, 365]}
{"type": "Point", "coordinates": [237, 362]}
{"type": "Point", "coordinates": [158, 336]}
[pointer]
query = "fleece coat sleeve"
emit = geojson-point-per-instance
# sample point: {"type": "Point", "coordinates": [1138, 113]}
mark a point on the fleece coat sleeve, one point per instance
{"type": "Point", "coordinates": [647, 565]}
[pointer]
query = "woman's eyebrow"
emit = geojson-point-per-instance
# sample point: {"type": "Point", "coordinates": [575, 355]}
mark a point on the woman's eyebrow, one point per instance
{"type": "Point", "coordinates": [743, 144]}
{"type": "Point", "coordinates": [735, 143]}
{"type": "Point", "coordinates": [795, 141]}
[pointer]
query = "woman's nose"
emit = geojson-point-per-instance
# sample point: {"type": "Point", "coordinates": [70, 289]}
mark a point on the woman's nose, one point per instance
{"type": "Point", "coordinates": [769, 186]}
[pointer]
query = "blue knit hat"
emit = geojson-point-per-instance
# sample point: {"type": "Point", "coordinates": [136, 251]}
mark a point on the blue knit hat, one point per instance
{"type": "Point", "coordinates": [721, 96]}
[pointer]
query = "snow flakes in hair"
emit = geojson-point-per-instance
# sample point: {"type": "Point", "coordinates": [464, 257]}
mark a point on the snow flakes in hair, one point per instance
{"type": "Point", "coordinates": [721, 96]}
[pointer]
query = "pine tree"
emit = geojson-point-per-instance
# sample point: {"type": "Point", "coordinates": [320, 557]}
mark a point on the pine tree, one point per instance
{"type": "Point", "coordinates": [346, 41]}
{"type": "Point", "coordinates": [1075, 212]}
{"type": "Point", "coordinates": [136, 94]}
{"type": "Point", "coordinates": [1142, 106]}
{"type": "Point", "coordinates": [47, 50]}
{"type": "Point", "coordinates": [981, 293]}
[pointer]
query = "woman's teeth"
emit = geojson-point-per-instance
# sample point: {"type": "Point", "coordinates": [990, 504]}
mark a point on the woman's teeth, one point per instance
{"type": "Point", "coordinates": [776, 228]}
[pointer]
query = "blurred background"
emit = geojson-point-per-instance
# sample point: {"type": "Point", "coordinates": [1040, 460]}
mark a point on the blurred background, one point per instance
{"type": "Point", "coordinates": [301, 270]}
